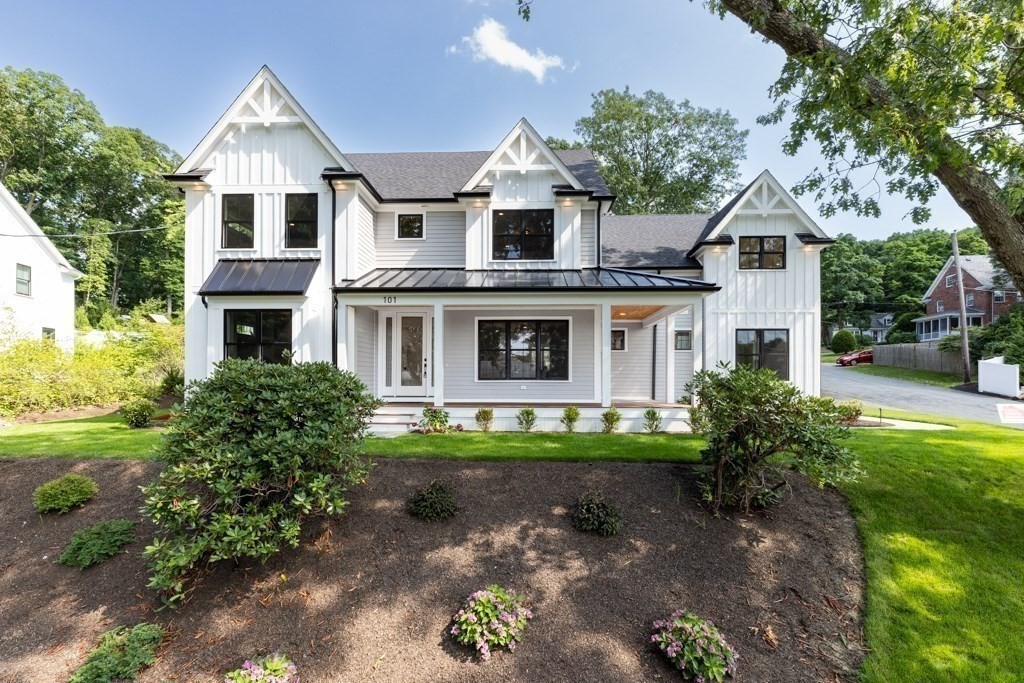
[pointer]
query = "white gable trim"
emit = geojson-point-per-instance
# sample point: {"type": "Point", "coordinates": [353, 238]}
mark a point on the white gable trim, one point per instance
{"type": "Point", "coordinates": [763, 182]}
{"type": "Point", "coordinates": [32, 228]}
{"type": "Point", "coordinates": [264, 79]}
{"type": "Point", "coordinates": [938, 278]}
{"type": "Point", "coordinates": [528, 164]}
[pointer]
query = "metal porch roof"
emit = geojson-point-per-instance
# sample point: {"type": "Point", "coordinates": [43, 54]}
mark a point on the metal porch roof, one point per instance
{"type": "Point", "coordinates": [585, 279]}
{"type": "Point", "coordinates": [237, 277]}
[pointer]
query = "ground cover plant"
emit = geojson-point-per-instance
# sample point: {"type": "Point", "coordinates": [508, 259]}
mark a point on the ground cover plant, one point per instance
{"type": "Point", "coordinates": [695, 647]}
{"type": "Point", "coordinates": [138, 412]}
{"type": "Point", "coordinates": [64, 494]}
{"type": "Point", "coordinates": [120, 654]}
{"type": "Point", "coordinates": [490, 619]}
{"type": "Point", "coordinates": [275, 668]}
{"type": "Point", "coordinates": [434, 502]}
{"type": "Point", "coordinates": [97, 543]}
{"type": "Point", "coordinates": [256, 450]}
{"type": "Point", "coordinates": [593, 513]}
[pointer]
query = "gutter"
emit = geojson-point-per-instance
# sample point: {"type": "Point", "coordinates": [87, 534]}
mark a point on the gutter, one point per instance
{"type": "Point", "coordinates": [334, 257]}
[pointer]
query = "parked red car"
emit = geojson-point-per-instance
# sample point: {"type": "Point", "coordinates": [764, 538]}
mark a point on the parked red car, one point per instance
{"type": "Point", "coordinates": [855, 358]}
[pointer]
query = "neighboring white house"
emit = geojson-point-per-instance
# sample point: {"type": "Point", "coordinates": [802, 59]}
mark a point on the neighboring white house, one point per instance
{"type": "Point", "coordinates": [37, 284]}
{"type": "Point", "coordinates": [495, 277]}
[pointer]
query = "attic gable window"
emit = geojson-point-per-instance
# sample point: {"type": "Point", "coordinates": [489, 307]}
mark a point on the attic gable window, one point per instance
{"type": "Point", "coordinates": [237, 224]}
{"type": "Point", "coordinates": [950, 280]}
{"type": "Point", "coordinates": [762, 253]}
{"type": "Point", "coordinates": [523, 235]}
{"type": "Point", "coordinates": [300, 221]}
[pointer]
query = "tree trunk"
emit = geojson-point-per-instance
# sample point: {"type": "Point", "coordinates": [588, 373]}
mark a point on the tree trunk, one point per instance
{"type": "Point", "coordinates": [974, 190]}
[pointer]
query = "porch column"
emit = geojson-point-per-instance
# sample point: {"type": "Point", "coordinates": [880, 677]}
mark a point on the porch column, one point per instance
{"type": "Point", "coordinates": [670, 359]}
{"type": "Point", "coordinates": [438, 364]}
{"type": "Point", "coordinates": [606, 355]}
{"type": "Point", "coordinates": [697, 339]}
{"type": "Point", "coordinates": [346, 337]}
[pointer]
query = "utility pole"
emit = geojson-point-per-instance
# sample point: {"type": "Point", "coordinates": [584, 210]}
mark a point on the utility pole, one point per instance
{"type": "Point", "coordinates": [965, 350]}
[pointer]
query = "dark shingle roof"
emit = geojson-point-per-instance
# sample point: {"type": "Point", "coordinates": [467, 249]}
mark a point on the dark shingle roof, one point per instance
{"type": "Point", "coordinates": [437, 175]}
{"type": "Point", "coordinates": [446, 279]}
{"type": "Point", "coordinates": [260, 276]}
{"type": "Point", "coordinates": [653, 241]}
{"type": "Point", "coordinates": [717, 217]}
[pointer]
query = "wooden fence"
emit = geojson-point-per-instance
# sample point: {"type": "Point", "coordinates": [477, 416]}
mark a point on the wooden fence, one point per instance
{"type": "Point", "coordinates": [920, 356]}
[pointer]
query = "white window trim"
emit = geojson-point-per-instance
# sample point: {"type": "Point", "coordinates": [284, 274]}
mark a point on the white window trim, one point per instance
{"type": "Point", "coordinates": [940, 306]}
{"type": "Point", "coordinates": [950, 280]}
{"type": "Point", "coordinates": [521, 206]}
{"type": "Point", "coordinates": [16, 279]}
{"type": "Point", "coordinates": [999, 296]}
{"type": "Point", "coordinates": [625, 340]}
{"type": "Point", "coordinates": [970, 299]}
{"type": "Point", "coordinates": [525, 316]}
{"type": "Point", "coordinates": [422, 214]}
{"type": "Point", "coordinates": [689, 350]}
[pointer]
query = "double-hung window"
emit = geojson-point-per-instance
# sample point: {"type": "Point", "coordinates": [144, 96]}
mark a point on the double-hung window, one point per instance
{"type": "Point", "coordinates": [523, 235]}
{"type": "Point", "coordinates": [764, 349]}
{"type": "Point", "coordinates": [523, 350]}
{"type": "Point", "coordinates": [300, 221]}
{"type": "Point", "coordinates": [259, 334]}
{"type": "Point", "coordinates": [23, 280]}
{"type": "Point", "coordinates": [762, 253]}
{"type": "Point", "coordinates": [237, 221]}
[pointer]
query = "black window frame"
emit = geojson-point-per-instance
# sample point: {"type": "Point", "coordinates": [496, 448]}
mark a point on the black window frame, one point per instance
{"type": "Point", "coordinates": [49, 334]}
{"type": "Point", "coordinates": [262, 345]}
{"type": "Point", "coordinates": [540, 353]}
{"type": "Point", "coordinates": [226, 221]}
{"type": "Point", "coordinates": [523, 237]}
{"type": "Point", "coordinates": [20, 281]}
{"type": "Point", "coordinates": [411, 214]}
{"type": "Point", "coordinates": [625, 339]}
{"type": "Point", "coordinates": [761, 253]}
{"type": "Point", "coordinates": [683, 334]}
{"type": "Point", "coordinates": [760, 355]}
{"type": "Point", "coordinates": [302, 240]}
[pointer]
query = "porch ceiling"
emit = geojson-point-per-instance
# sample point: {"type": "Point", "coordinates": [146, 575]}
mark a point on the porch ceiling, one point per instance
{"type": "Point", "coordinates": [633, 312]}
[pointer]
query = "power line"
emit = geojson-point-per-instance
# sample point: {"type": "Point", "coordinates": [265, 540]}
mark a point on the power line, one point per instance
{"type": "Point", "coordinates": [94, 234]}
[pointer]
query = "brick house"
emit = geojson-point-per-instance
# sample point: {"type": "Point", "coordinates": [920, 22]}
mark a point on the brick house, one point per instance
{"type": "Point", "coordinates": [986, 299]}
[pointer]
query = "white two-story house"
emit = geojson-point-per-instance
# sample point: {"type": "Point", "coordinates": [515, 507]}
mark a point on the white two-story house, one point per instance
{"type": "Point", "coordinates": [494, 278]}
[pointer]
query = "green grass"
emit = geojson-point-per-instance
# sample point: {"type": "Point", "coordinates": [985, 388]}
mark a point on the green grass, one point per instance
{"type": "Point", "coordinates": [828, 357]}
{"type": "Point", "coordinates": [93, 437]}
{"type": "Point", "coordinates": [540, 446]}
{"type": "Point", "coordinates": [938, 379]}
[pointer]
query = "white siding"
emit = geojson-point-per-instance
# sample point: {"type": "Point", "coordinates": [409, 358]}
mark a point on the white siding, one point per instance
{"type": "Point", "coordinates": [365, 250]}
{"type": "Point", "coordinates": [632, 369]}
{"type": "Point", "coordinates": [444, 246]}
{"type": "Point", "coordinates": [275, 155]}
{"type": "Point", "coordinates": [366, 346]}
{"type": "Point", "coordinates": [588, 238]}
{"type": "Point", "coordinates": [532, 186]}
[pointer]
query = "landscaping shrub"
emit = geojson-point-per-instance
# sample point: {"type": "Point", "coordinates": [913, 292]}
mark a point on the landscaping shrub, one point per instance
{"type": "Point", "coordinates": [900, 338]}
{"type": "Point", "coordinates": [275, 668]}
{"type": "Point", "coordinates": [1004, 337]}
{"type": "Point", "coordinates": [570, 416]}
{"type": "Point", "coordinates": [173, 383]}
{"type": "Point", "coordinates": [864, 340]}
{"type": "Point", "coordinates": [256, 450]}
{"type": "Point", "coordinates": [434, 502]}
{"type": "Point", "coordinates": [850, 412]}
{"type": "Point", "coordinates": [490, 619]}
{"type": "Point", "coordinates": [64, 493]}
{"type": "Point", "coordinates": [843, 341]}
{"type": "Point", "coordinates": [435, 420]}
{"type": "Point", "coordinates": [652, 421]}
{"type": "Point", "coordinates": [610, 420]}
{"type": "Point", "coordinates": [594, 514]}
{"type": "Point", "coordinates": [97, 543]}
{"type": "Point", "coordinates": [138, 412]}
{"type": "Point", "coordinates": [485, 419]}
{"type": "Point", "coordinates": [695, 647]}
{"type": "Point", "coordinates": [526, 419]}
{"type": "Point", "coordinates": [756, 426]}
{"type": "Point", "coordinates": [120, 655]}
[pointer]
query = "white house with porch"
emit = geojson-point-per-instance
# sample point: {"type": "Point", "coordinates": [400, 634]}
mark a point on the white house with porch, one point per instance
{"type": "Point", "coordinates": [496, 278]}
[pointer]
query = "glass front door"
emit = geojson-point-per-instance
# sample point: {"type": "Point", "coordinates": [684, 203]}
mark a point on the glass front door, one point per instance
{"type": "Point", "coordinates": [405, 350]}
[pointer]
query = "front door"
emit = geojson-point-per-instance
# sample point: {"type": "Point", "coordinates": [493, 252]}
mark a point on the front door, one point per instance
{"type": "Point", "coordinates": [413, 358]}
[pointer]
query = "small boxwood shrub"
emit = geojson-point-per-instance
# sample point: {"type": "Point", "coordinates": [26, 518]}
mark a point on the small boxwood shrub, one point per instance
{"type": "Point", "coordinates": [526, 419]}
{"type": "Point", "coordinates": [485, 419]}
{"type": "Point", "coordinates": [491, 619]}
{"type": "Point", "coordinates": [843, 341]}
{"type": "Point", "coordinates": [652, 421]}
{"type": "Point", "coordinates": [97, 543]}
{"type": "Point", "coordinates": [593, 513]}
{"type": "Point", "coordinates": [257, 450]}
{"type": "Point", "coordinates": [610, 420]}
{"type": "Point", "coordinates": [695, 647]}
{"type": "Point", "coordinates": [64, 493]}
{"type": "Point", "coordinates": [570, 416]}
{"type": "Point", "coordinates": [275, 668]}
{"type": "Point", "coordinates": [138, 412]}
{"type": "Point", "coordinates": [434, 502]}
{"type": "Point", "coordinates": [120, 655]}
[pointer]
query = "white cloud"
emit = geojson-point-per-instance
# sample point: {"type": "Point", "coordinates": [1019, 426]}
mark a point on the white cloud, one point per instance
{"type": "Point", "coordinates": [490, 42]}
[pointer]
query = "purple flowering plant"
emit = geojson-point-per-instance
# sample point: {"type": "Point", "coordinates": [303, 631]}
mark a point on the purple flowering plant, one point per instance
{"type": "Point", "coordinates": [695, 647]}
{"type": "Point", "coordinates": [491, 618]}
{"type": "Point", "coordinates": [275, 668]}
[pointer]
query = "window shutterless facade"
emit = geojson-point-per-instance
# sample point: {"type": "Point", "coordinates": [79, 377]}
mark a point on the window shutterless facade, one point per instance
{"type": "Point", "coordinates": [23, 280]}
{"type": "Point", "coordinates": [410, 226]}
{"type": "Point", "coordinates": [764, 349]}
{"type": "Point", "coordinates": [300, 221]}
{"type": "Point", "coordinates": [684, 340]}
{"type": "Point", "coordinates": [523, 235]}
{"type": "Point", "coordinates": [762, 253]}
{"type": "Point", "coordinates": [237, 221]}
{"type": "Point", "coordinates": [260, 334]}
{"type": "Point", "coordinates": [523, 350]}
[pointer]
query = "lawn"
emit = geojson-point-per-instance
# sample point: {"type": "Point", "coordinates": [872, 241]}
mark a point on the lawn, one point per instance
{"type": "Point", "coordinates": [938, 379]}
{"type": "Point", "coordinates": [105, 436]}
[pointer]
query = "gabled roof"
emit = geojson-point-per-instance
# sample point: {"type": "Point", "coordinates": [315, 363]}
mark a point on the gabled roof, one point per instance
{"type": "Point", "coordinates": [262, 88]}
{"type": "Point", "coordinates": [522, 133]}
{"type": "Point", "coordinates": [10, 202]}
{"type": "Point", "coordinates": [654, 241]}
{"type": "Point", "coordinates": [979, 266]}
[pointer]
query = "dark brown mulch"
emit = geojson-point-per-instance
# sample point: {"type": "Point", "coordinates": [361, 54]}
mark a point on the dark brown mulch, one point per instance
{"type": "Point", "coordinates": [370, 597]}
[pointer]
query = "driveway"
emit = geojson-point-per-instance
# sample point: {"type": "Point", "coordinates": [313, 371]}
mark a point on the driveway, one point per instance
{"type": "Point", "coordinates": [845, 384]}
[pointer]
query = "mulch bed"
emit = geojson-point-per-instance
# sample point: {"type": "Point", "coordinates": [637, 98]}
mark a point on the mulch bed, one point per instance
{"type": "Point", "coordinates": [370, 597]}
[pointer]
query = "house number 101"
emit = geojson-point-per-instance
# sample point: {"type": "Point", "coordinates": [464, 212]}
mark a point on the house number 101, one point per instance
{"type": "Point", "coordinates": [391, 299]}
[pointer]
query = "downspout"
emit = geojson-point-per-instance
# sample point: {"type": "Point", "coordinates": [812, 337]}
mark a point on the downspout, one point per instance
{"type": "Point", "coordinates": [334, 295]}
{"type": "Point", "coordinates": [654, 363]}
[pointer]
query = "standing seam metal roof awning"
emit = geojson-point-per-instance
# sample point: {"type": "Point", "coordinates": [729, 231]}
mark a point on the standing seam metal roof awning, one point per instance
{"type": "Point", "coordinates": [585, 279]}
{"type": "Point", "coordinates": [236, 277]}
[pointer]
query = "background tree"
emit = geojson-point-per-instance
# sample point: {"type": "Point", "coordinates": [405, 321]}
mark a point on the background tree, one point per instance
{"type": "Point", "coordinates": [662, 156]}
{"type": "Point", "coordinates": [562, 143]}
{"type": "Point", "coordinates": [849, 280]}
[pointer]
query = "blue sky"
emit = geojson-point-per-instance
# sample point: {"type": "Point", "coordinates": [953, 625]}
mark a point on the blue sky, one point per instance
{"type": "Point", "coordinates": [416, 75]}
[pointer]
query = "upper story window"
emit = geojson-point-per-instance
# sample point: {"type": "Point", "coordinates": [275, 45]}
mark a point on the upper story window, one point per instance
{"type": "Point", "coordinates": [237, 227]}
{"type": "Point", "coordinates": [762, 253]}
{"type": "Point", "coordinates": [970, 299]}
{"type": "Point", "coordinates": [23, 280]}
{"type": "Point", "coordinates": [410, 226]}
{"type": "Point", "coordinates": [999, 296]}
{"type": "Point", "coordinates": [300, 230]}
{"type": "Point", "coordinates": [950, 280]}
{"type": "Point", "coordinates": [523, 235]}
{"type": "Point", "coordinates": [940, 306]}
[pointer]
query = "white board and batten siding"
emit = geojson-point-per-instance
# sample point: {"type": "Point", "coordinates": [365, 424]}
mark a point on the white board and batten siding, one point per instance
{"type": "Point", "coordinates": [444, 244]}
